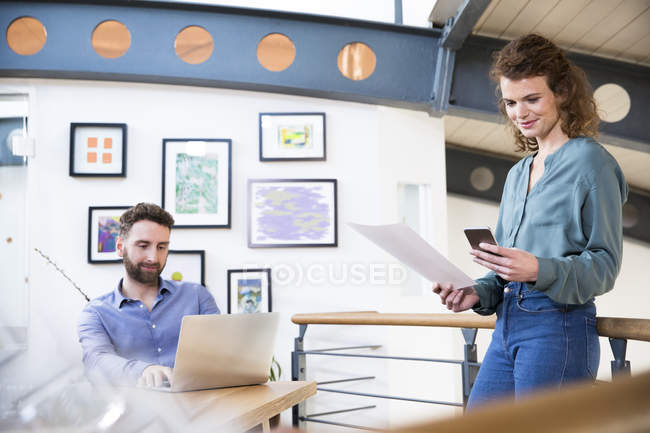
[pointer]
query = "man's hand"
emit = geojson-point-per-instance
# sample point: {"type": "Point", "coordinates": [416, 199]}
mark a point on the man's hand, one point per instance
{"type": "Point", "coordinates": [513, 265]}
{"type": "Point", "coordinates": [456, 300]}
{"type": "Point", "coordinates": [154, 375]}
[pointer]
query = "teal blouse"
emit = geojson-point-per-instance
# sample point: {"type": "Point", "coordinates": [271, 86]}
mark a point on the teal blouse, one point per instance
{"type": "Point", "coordinates": [570, 220]}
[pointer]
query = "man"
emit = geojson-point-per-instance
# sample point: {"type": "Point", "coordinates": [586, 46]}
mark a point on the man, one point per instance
{"type": "Point", "coordinates": [130, 335]}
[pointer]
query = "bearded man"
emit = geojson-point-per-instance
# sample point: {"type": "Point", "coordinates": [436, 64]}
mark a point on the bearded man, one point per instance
{"type": "Point", "coordinates": [130, 334]}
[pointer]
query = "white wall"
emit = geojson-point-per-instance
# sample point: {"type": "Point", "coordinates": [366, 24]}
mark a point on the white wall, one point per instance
{"type": "Point", "coordinates": [629, 298]}
{"type": "Point", "coordinates": [369, 150]}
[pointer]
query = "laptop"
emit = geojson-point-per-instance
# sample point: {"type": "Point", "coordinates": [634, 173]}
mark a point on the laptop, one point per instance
{"type": "Point", "coordinates": [218, 351]}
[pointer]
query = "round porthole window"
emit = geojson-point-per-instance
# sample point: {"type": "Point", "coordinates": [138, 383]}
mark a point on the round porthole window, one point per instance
{"type": "Point", "coordinates": [276, 52]}
{"type": "Point", "coordinates": [26, 36]}
{"type": "Point", "coordinates": [481, 178]}
{"type": "Point", "coordinates": [356, 61]}
{"type": "Point", "coordinates": [194, 45]}
{"type": "Point", "coordinates": [613, 102]}
{"type": "Point", "coordinates": [111, 39]}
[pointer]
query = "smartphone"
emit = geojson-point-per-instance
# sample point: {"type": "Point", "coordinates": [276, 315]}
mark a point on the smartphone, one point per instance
{"type": "Point", "coordinates": [476, 235]}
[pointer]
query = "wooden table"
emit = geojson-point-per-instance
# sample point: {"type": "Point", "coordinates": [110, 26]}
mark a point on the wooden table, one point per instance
{"type": "Point", "coordinates": [227, 410]}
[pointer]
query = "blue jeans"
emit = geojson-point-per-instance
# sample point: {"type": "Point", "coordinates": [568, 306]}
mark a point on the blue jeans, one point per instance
{"type": "Point", "coordinates": [537, 343]}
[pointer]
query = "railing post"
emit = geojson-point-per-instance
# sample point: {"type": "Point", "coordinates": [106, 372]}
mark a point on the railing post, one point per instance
{"type": "Point", "coordinates": [298, 367]}
{"type": "Point", "coordinates": [469, 371]}
{"type": "Point", "coordinates": [620, 367]}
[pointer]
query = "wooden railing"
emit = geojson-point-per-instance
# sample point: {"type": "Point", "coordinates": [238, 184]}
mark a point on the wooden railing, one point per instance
{"type": "Point", "coordinates": [619, 330]}
{"type": "Point", "coordinates": [613, 327]}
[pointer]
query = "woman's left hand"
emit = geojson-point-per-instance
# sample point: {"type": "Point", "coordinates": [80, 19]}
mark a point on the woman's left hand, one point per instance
{"type": "Point", "coordinates": [512, 265]}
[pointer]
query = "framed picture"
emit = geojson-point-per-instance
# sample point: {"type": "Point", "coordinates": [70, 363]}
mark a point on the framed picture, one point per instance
{"type": "Point", "coordinates": [98, 149]}
{"type": "Point", "coordinates": [196, 181]}
{"type": "Point", "coordinates": [249, 291]}
{"type": "Point", "coordinates": [185, 265]}
{"type": "Point", "coordinates": [292, 213]}
{"type": "Point", "coordinates": [292, 137]}
{"type": "Point", "coordinates": [103, 230]}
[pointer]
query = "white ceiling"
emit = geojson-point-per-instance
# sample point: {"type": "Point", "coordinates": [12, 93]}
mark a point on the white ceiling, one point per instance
{"type": "Point", "coordinates": [618, 29]}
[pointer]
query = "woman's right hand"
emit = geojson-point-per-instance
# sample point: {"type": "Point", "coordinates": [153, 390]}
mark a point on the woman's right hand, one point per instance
{"type": "Point", "coordinates": [456, 300]}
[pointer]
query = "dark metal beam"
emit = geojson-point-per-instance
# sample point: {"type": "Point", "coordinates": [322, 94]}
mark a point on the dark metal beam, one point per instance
{"type": "Point", "coordinates": [462, 24]}
{"type": "Point", "coordinates": [473, 94]}
{"type": "Point", "coordinates": [403, 77]}
{"type": "Point", "coordinates": [462, 163]}
{"type": "Point", "coordinates": [413, 68]}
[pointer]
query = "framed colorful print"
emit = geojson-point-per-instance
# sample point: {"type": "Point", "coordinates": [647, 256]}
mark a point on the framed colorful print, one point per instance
{"type": "Point", "coordinates": [196, 181]}
{"type": "Point", "coordinates": [103, 230]}
{"type": "Point", "coordinates": [249, 291]}
{"type": "Point", "coordinates": [292, 213]}
{"type": "Point", "coordinates": [292, 137]}
{"type": "Point", "coordinates": [185, 265]}
{"type": "Point", "coordinates": [98, 149]}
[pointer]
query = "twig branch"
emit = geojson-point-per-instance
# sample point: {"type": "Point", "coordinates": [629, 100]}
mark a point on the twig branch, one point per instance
{"type": "Point", "coordinates": [62, 272]}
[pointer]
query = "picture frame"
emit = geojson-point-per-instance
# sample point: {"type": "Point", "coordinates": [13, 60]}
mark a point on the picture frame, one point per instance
{"type": "Point", "coordinates": [103, 230]}
{"type": "Point", "coordinates": [98, 149]}
{"type": "Point", "coordinates": [249, 291]}
{"type": "Point", "coordinates": [185, 265]}
{"type": "Point", "coordinates": [299, 213]}
{"type": "Point", "coordinates": [196, 181]}
{"type": "Point", "coordinates": [292, 137]}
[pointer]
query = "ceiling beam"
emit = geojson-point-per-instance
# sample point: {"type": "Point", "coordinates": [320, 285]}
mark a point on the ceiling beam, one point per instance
{"type": "Point", "coordinates": [473, 94]}
{"type": "Point", "coordinates": [403, 76]}
{"type": "Point", "coordinates": [458, 28]}
{"type": "Point", "coordinates": [464, 164]}
{"type": "Point", "coordinates": [416, 68]}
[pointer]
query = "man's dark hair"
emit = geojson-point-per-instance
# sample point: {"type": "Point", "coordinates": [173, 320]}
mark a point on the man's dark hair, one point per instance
{"type": "Point", "coordinates": [144, 211]}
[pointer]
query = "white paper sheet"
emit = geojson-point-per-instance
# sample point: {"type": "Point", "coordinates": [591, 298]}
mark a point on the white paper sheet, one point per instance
{"type": "Point", "coordinates": [409, 248]}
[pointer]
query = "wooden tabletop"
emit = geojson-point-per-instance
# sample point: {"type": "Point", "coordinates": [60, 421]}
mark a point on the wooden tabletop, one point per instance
{"type": "Point", "coordinates": [227, 410]}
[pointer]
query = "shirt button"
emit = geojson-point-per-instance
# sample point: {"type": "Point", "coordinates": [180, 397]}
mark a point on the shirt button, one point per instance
{"type": "Point", "coordinates": [159, 349]}
{"type": "Point", "coordinates": [141, 306]}
{"type": "Point", "coordinates": [506, 290]}
{"type": "Point", "coordinates": [153, 326]}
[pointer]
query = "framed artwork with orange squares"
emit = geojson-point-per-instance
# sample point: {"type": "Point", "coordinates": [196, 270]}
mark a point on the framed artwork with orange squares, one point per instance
{"type": "Point", "coordinates": [98, 149]}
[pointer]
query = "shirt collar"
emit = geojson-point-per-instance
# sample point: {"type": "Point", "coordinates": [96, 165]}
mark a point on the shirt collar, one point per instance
{"type": "Point", "coordinates": [120, 299]}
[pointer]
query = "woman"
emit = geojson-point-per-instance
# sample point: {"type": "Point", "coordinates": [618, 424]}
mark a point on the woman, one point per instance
{"type": "Point", "coordinates": [559, 230]}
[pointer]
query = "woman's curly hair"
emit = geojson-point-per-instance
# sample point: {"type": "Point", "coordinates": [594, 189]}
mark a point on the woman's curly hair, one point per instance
{"type": "Point", "coordinates": [533, 55]}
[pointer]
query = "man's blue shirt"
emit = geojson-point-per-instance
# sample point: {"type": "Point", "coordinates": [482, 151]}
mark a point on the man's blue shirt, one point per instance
{"type": "Point", "coordinates": [120, 337]}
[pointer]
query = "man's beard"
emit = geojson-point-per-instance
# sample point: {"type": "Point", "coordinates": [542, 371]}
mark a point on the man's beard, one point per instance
{"type": "Point", "coordinates": [140, 275]}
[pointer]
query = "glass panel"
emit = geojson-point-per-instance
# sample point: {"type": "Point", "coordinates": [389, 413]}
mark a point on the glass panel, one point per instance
{"type": "Point", "coordinates": [357, 61]}
{"type": "Point", "coordinates": [415, 211]}
{"type": "Point", "coordinates": [13, 263]}
{"type": "Point", "coordinates": [111, 39]}
{"type": "Point", "coordinates": [194, 45]}
{"type": "Point", "coordinates": [26, 36]}
{"type": "Point", "coordinates": [276, 52]}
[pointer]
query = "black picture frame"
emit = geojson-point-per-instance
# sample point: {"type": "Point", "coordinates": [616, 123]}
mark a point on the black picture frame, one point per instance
{"type": "Point", "coordinates": [270, 146]}
{"type": "Point", "coordinates": [215, 149]}
{"type": "Point", "coordinates": [274, 238]}
{"type": "Point", "coordinates": [97, 251]}
{"type": "Point", "coordinates": [200, 255]}
{"type": "Point", "coordinates": [258, 273]}
{"type": "Point", "coordinates": [113, 134]}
